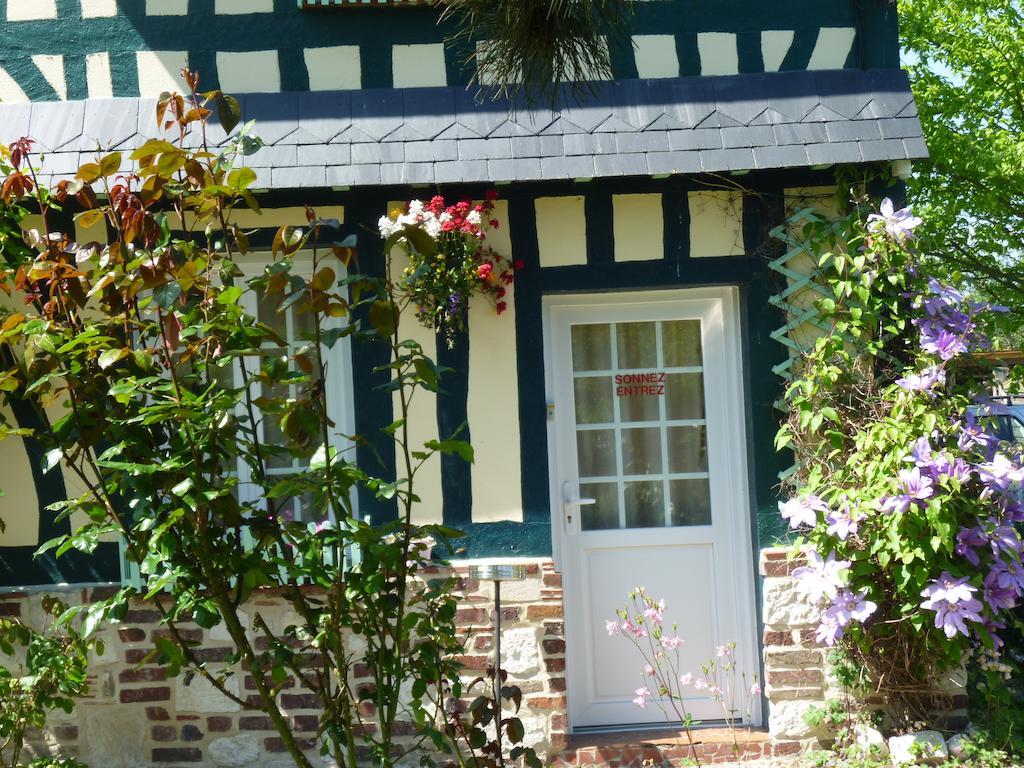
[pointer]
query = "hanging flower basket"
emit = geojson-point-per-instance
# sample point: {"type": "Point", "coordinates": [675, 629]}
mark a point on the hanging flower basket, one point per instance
{"type": "Point", "coordinates": [449, 260]}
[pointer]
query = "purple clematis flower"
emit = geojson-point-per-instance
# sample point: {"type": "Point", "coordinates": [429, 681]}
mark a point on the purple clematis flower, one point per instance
{"type": "Point", "coordinates": [1000, 472]}
{"type": "Point", "coordinates": [952, 618]}
{"type": "Point", "coordinates": [821, 578]}
{"type": "Point", "coordinates": [999, 594]}
{"type": "Point", "coordinates": [916, 489]}
{"type": "Point", "coordinates": [899, 225]}
{"type": "Point", "coordinates": [803, 511]}
{"type": "Point", "coordinates": [947, 589]}
{"type": "Point", "coordinates": [847, 607]}
{"type": "Point", "coordinates": [844, 522]}
{"type": "Point", "coordinates": [925, 381]}
{"type": "Point", "coordinates": [968, 540]}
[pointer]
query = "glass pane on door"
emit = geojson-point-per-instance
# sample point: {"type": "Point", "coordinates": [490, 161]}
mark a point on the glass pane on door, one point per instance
{"type": "Point", "coordinates": [641, 433]}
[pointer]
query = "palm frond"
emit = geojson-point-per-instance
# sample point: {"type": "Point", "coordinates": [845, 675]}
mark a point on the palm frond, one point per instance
{"type": "Point", "coordinates": [533, 47]}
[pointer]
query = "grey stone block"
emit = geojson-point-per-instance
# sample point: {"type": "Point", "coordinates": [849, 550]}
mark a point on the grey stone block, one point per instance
{"type": "Point", "coordinates": [589, 143]}
{"type": "Point", "coordinates": [14, 121]}
{"type": "Point", "coordinates": [353, 175]}
{"type": "Point", "coordinates": [621, 165]}
{"type": "Point", "coordinates": [54, 124]}
{"type": "Point", "coordinates": [526, 169]}
{"type": "Point", "coordinates": [275, 156]}
{"type": "Point", "coordinates": [378, 111]}
{"type": "Point", "coordinates": [485, 149]}
{"type": "Point", "coordinates": [325, 114]}
{"type": "Point", "coordinates": [900, 128]}
{"type": "Point", "coordinates": [916, 149]}
{"type": "Point", "coordinates": [276, 114]}
{"type": "Point", "coordinates": [459, 170]}
{"type": "Point", "coordinates": [109, 123]}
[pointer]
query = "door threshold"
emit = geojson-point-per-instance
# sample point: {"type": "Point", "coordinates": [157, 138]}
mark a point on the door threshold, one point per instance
{"type": "Point", "coordinates": [589, 730]}
{"type": "Point", "coordinates": [659, 734]}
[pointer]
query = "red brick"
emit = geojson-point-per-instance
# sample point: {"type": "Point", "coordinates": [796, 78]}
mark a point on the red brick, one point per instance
{"type": "Point", "coordinates": [101, 593]}
{"type": "Point", "coordinates": [474, 662]}
{"type": "Point", "coordinates": [218, 724]}
{"type": "Point", "coordinates": [186, 717]}
{"type": "Point", "coordinates": [137, 655]}
{"type": "Point", "coordinates": [143, 675]}
{"type": "Point", "coordinates": [274, 744]}
{"type": "Point", "coordinates": [131, 634]}
{"type": "Point", "coordinates": [133, 695]}
{"type": "Point", "coordinates": [255, 724]}
{"type": "Point", "coordinates": [510, 613]}
{"type": "Point", "coordinates": [470, 616]}
{"type": "Point", "coordinates": [212, 654]}
{"type": "Point", "coordinates": [157, 713]}
{"type": "Point", "coordinates": [557, 684]}
{"type": "Point", "coordinates": [300, 701]}
{"type": "Point", "coordinates": [538, 612]}
{"type": "Point", "coordinates": [559, 723]}
{"type": "Point", "coordinates": [306, 723]}
{"type": "Point", "coordinates": [164, 733]}
{"type": "Point", "coordinates": [141, 617]}
{"type": "Point", "coordinates": [360, 670]}
{"type": "Point", "coordinates": [188, 635]}
{"type": "Point", "coordinates": [546, 702]}
{"type": "Point", "coordinates": [483, 642]}
{"type": "Point", "coordinates": [778, 638]}
{"type": "Point", "coordinates": [554, 646]}
{"type": "Point", "coordinates": [552, 579]}
{"type": "Point", "coordinates": [65, 733]}
{"type": "Point", "coordinates": [786, 748]}
{"type": "Point", "coordinates": [532, 568]}
{"type": "Point", "coordinates": [554, 628]}
{"type": "Point", "coordinates": [10, 609]}
{"type": "Point", "coordinates": [554, 665]}
{"type": "Point", "coordinates": [177, 755]}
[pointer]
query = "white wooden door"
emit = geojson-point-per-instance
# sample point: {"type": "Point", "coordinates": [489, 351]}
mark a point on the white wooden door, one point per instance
{"type": "Point", "coordinates": [649, 487]}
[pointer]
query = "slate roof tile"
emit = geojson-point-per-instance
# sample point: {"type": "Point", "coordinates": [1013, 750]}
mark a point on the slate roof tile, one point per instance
{"type": "Point", "coordinates": [433, 135]}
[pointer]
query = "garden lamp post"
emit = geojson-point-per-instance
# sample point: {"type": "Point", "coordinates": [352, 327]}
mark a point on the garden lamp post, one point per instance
{"type": "Point", "coordinates": [497, 573]}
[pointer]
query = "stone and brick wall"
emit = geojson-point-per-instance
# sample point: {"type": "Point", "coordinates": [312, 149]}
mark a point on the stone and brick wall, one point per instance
{"type": "Point", "coordinates": [137, 716]}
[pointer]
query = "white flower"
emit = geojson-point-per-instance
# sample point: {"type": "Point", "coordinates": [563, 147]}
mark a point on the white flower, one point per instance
{"type": "Point", "coordinates": [473, 217]}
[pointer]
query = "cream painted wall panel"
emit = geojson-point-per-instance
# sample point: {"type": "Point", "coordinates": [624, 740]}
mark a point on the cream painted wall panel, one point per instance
{"type": "Point", "coordinates": [419, 66]}
{"type": "Point", "coordinates": [19, 506]}
{"type": "Point", "coordinates": [243, 6]}
{"type": "Point", "coordinates": [493, 407]}
{"type": "Point", "coordinates": [422, 417]}
{"type": "Point", "coordinates": [52, 69]}
{"type": "Point", "coordinates": [561, 230]}
{"type": "Point", "coordinates": [656, 55]}
{"type": "Point", "coordinates": [249, 71]}
{"type": "Point", "coordinates": [718, 53]}
{"type": "Point", "coordinates": [775, 44]}
{"type": "Point", "coordinates": [336, 68]}
{"type": "Point", "coordinates": [716, 223]}
{"type": "Point", "coordinates": [10, 91]}
{"type": "Point", "coordinates": [832, 48]}
{"type": "Point", "coordinates": [271, 217]}
{"type": "Point", "coordinates": [97, 75]}
{"type": "Point", "coordinates": [159, 71]}
{"type": "Point", "coordinates": [96, 233]}
{"type": "Point", "coordinates": [28, 10]}
{"type": "Point", "coordinates": [639, 222]}
{"type": "Point", "coordinates": [166, 7]}
{"type": "Point", "coordinates": [95, 9]}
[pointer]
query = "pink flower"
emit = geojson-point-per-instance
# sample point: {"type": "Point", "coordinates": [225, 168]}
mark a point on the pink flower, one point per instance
{"type": "Point", "coordinates": [671, 642]}
{"type": "Point", "coordinates": [723, 650]}
{"type": "Point", "coordinates": [655, 612]}
{"type": "Point", "coordinates": [755, 690]}
{"type": "Point", "coordinates": [686, 680]}
{"type": "Point", "coordinates": [701, 685]}
{"type": "Point", "coordinates": [642, 695]}
{"type": "Point", "coordinates": [484, 271]}
{"type": "Point", "coordinates": [613, 628]}
{"type": "Point", "coordinates": [649, 670]}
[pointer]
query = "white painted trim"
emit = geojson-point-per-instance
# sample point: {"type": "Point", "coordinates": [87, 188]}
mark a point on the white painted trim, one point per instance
{"type": "Point", "coordinates": [720, 304]}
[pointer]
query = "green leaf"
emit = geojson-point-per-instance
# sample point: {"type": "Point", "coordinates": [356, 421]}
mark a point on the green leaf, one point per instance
{"type": "Point", "coordinates": [110, 356]}
{"type": "Point", "coordinates": [229, 111]}
{"type": "Point", "coordinates": [384, 317]}
{"type": "Point", "coordinates": [166, 294]}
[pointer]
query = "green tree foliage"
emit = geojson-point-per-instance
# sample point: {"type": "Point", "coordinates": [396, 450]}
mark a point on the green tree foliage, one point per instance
{"type": "Point", "coordinates": [966, 60]}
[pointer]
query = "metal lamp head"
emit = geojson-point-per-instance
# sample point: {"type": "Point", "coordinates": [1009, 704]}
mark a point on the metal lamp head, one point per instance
{"type": "Point", "coordinates": [497, 572]}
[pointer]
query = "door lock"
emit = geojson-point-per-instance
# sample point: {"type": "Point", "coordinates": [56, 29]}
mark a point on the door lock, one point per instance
{"type": "Point", "coordinates": [571, 500]}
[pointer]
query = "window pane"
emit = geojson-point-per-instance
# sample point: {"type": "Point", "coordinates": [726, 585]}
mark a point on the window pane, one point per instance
{"type": "Point", "coordinates": [691, 502]}
{"type": "Point", "coordinates": [605, 513]}
{"type": "Point", "coordinates": [637, 345]}
{"type": "Point", "coordinates": [637, 407]}
{"type": "Point", "coordinates": [266, 313]}
{"type": "Point", "coordinates": [645, 504]}
{"type": "Point", "coordinates": [687, 449]}
{"type": "Point", "coordinates": [641, 451]}
{"type": "Point", "coordinates": [591, 347]}
{"type": "Point", "coordinates": [681, 343]}
{"type": "Point", "coordinates": [596, 452]}
{"type": "Point", "coordinates": [685, 396]}
{"type": "Point", "coordinates": [593, 398]}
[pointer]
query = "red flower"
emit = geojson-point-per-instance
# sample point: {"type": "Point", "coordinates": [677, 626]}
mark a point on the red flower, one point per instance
{"type": "Point", "coordinates": [518, 264]}
{"type": "Point", "coordinates": [492, 194]}
{"type": "Point", "coordinates": [501, 307]}
{"type": "Point", "coordinates": [484, 271]}
{"type": "Point", "coordinates": [500, 293]}
{"type": "Point", "coordinates": [506, 277]}
{"type": "Point", "coordinates": [494, 223]}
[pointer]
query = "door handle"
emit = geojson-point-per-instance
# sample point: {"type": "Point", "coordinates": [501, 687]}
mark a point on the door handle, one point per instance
{"type": "Point", "coordinates": [570, 501]}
